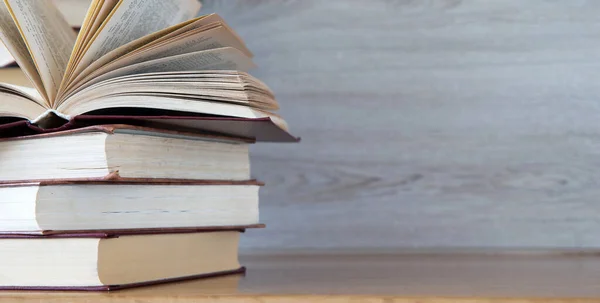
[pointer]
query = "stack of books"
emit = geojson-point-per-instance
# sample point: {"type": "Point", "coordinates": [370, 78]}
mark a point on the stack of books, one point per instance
{"type": "Point", "coordinates": [127, 164]}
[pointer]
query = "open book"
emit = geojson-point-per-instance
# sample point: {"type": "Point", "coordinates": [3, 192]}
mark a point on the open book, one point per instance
{"type": "Point", "coordinates": [130, 58]}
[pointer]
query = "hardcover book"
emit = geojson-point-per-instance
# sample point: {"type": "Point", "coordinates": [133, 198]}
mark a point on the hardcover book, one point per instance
{"type": "Point", "coordinates": [123, 152]}
{"type": "Point", "coordinates": [110, 261]}
{"type": "Point", "coordinates": [54, 206]}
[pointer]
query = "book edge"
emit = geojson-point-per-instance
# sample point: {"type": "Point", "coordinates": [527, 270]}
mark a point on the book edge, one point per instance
{"type": "Point", "coordinates": [114, 233]}
{"type": "Point", "coordinates": [112, 129]}
{"type": "Point", "coordinates": [241, 270]}
{"type": "Point", "coordinates": [22, 129]}
{"type": "Point", "coordinates": [114, 179]}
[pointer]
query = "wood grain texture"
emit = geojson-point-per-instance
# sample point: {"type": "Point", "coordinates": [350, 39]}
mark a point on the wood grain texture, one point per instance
{"type": "Point", "coordinates": [432, 278]}
{"type": "Point", "coordinates": [438, 123]}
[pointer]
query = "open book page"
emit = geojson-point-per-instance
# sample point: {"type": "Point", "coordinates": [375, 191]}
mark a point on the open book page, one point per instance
{"type": "Point", "coordinates": [230, 92]}
{"type": "Point", "coordinates": [9, 33]}
{"type": "Point", "coordinates": [83, 71]}
{"type": "Point", "coordinates": [223, 85]}
{"type": "Point", "coordinates": [104, 10]}
{"type": "Point", "coordinates": [24, 91]}
{"type": "Point", "coordinates": [20, 102]}
{"type": "Point", "coordinates": [220, 76]}
{"type": "Point", "coordinates": [194, 24]}
{"type": "Point", "coordinates": [143, 43]}
{"type": "Point", "coordinates": [194, 41]}
{"type": "Point", "coordinates": [132, 19]}
{"type": "Point", "coordinates": [167, 103]}
{"type": "Point", "coordinates": [97, 13]}
{"type": "Point", "coordinates": [83, 34]}
{"type": "Point", "coordinates": [226, 58]}
{"type": "Point", "coordinates": [48, 37]}
{"type": "Point", "coordinates": [16, 106]}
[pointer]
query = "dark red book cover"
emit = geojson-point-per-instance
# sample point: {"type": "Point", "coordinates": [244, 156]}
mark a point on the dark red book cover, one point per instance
{"type": "Point", "coordinates": [259, 129]}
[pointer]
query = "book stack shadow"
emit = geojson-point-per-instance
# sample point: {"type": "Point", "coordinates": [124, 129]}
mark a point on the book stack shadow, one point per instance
{"type": "Point", "coordinates": [128, 165]}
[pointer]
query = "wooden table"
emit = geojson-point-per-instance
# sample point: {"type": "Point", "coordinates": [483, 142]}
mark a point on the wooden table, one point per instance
{"type": "Point", "coordinates": [440, 278]}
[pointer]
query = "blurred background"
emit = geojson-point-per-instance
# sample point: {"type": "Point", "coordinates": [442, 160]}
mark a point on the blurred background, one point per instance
{"type": "Point", "coordinates": [425, 124]}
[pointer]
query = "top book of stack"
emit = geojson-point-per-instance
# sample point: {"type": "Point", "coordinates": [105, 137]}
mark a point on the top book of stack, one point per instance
{"type": "Point", "coordinates": [149, 63]}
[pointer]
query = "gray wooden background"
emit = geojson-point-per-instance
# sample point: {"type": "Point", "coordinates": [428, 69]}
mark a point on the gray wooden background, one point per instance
{"type": "Point", "coordinates": [428, 123]}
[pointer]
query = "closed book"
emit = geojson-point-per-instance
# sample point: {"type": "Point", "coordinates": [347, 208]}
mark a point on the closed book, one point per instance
{"type": "Point", "coordinates": [123, 152]}
{"type": "Point", "coordinates": [43, 207]}
{"type": "Point", "coordinates": [110, 261]}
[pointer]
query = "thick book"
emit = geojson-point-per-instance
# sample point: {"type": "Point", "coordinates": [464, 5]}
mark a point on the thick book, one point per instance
{"type": "Point", "coordinates": [52, 207]}
{"type": "Point", "coordinates": [110, 261]}
{"type": "Point", "coordinates": [122, 152]}
{"type": "Point", "coordinates": [128, 60]}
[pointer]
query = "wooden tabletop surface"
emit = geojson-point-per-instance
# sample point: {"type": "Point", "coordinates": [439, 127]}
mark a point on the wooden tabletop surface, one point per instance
{"type": "Point", "coordinates": [375, 278]}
